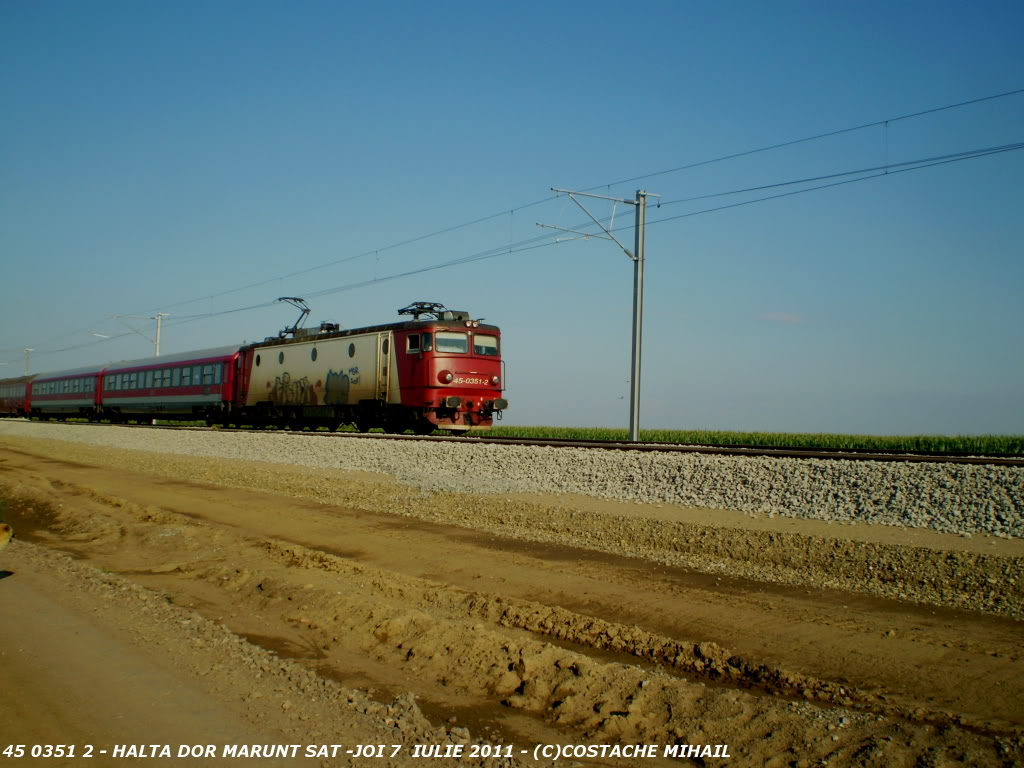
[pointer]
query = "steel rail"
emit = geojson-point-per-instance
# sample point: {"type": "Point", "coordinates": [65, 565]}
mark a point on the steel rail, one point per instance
{"type": "Point", "coordinates": [853, 454]}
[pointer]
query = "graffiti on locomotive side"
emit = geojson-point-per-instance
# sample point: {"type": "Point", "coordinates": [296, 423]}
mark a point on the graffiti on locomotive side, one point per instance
{"type": "Point", "coordinates": [336, 387]}
{"type": "Point", "coordinates": [288, 392]}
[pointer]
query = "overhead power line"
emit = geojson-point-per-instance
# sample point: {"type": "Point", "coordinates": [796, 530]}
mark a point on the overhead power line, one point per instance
{"type": "Point", "coordinates": [537, 242]}
{"type": "Point", "coordinates": [887, 168]}
{"type": "Point", "coordinates": [881, 174]}
{"type": "Point", "coordinates": [524, 206]}
{"type": "Point", "coordinates": [815, 137]}
{"type": "Point", "coordinates": [516, 209]}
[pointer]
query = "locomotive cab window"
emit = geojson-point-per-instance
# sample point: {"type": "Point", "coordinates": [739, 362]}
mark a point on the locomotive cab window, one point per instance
{"type": "Point", "coordinates": [428, 342]}
{"type": "Point", "coordinates": [485, 344]}
{"type": "Point", "coordinates": [412, 343]}
{"type": "Point", "coordinates": [449, 341]}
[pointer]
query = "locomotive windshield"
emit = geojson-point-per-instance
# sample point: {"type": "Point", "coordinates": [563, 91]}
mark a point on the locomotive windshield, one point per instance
{"type": "Point", "coordinates": [448, 341]}
{"type": "Point", "coordinates": [484, 344]}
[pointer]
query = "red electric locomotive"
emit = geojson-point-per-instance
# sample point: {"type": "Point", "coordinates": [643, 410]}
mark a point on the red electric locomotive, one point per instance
{"type": "Point", "coordinates": [441, 369]}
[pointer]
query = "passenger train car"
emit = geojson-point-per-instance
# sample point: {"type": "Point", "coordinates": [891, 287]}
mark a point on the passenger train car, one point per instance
{"type": "Point", "coordinates": [439, 369]}
{"type": "Point", "coordinates": [15, 396]}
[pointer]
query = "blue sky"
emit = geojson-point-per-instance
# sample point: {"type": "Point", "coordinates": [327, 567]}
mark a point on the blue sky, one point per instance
{"type": "Point", "coordinates": [158, 153]}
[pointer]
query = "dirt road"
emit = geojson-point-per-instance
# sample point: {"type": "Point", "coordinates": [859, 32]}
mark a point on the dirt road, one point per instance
{"type": "Point", "coordinates": [511, 620]}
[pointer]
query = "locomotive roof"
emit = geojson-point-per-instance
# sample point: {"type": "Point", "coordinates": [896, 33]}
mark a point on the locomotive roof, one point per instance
{"type": "Point", "coordinates": [454, 325]}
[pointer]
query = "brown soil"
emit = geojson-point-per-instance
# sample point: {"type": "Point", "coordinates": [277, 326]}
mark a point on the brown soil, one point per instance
{"type": "Point", "coordinates": [381, 615]}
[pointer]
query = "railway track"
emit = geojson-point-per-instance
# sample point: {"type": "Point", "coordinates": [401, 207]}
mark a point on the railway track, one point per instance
{"type": "Point", "coordinates": [851, 454]}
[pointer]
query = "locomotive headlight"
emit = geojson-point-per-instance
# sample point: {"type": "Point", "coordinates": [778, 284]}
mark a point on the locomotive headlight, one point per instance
{"type": "Point", "coordinates": [445, 377]}
{"type": "Point", "coordinates": [495, 380]}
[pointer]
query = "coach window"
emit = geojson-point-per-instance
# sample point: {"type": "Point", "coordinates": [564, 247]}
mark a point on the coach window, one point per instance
{"type": "Point", "coordinates": [448, 341]}
{"type": "Point", "coordinates": [412, 343]}
{"type": "Point", "coordinates": [176, 377]}
{"type": "Point", "coordinates": [216, 374]}
{"type": "Point", "coordinates": [197, 375]}
{"type": "Point", "coordinates": [186, 377]}
{"type": "Point", "coordinates": [208, 374]}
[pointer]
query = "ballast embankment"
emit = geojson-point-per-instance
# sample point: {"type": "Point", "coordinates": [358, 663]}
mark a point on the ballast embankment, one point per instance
{"type": "Point", "coordinates": [950, 498]}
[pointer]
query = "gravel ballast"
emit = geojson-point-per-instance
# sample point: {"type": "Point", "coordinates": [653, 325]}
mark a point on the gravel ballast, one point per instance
{"type": "Point", "coordinates": [951, 498]}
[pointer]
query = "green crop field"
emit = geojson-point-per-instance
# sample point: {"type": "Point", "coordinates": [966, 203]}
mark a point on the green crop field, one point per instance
{"type": "Point", "coordinates": [982, 444]}
{"type": "Point", "coordinates": [988, 445]}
